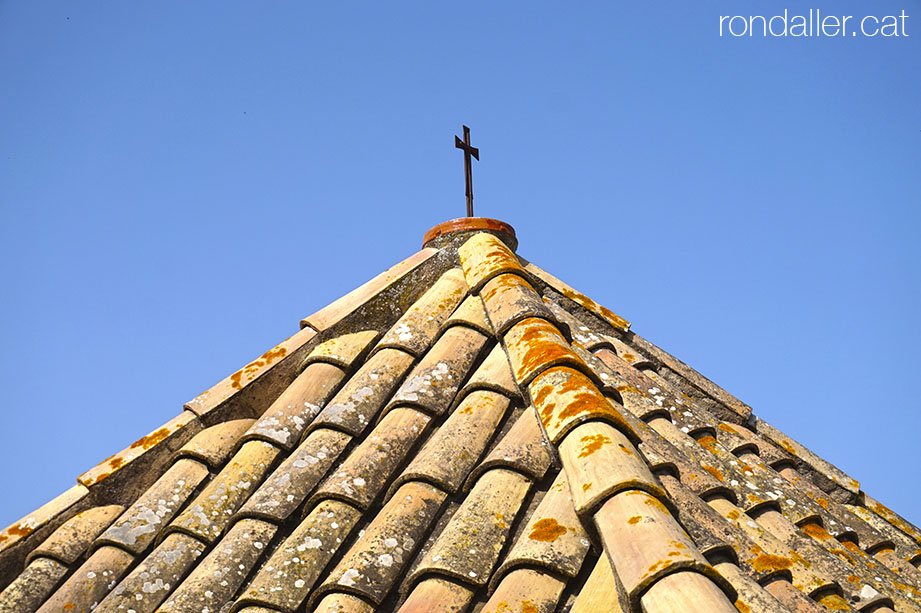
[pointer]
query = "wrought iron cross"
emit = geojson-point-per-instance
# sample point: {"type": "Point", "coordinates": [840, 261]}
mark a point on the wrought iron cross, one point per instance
{"type": "Point", "coordinates": [468, 168]}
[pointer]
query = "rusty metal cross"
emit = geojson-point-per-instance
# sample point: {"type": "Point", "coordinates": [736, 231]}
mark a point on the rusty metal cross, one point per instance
{"type": "Point", "coordinates": [468, 169]}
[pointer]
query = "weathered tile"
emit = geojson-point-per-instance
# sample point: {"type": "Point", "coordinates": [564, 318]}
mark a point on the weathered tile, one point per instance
{"type": "Point", "coordinates": [751, 596]}
{"type": "Point", "coordinates": [469, 546]}
{"type": "Point", "coordinates": [357, 404]}
{"type": "Point", "coordinates": [494, 374]}
{"type": "Point", "coordinates": [376, 561]}
{"type": "Point", "coordinates": [523, 449]}
{"type": "Point", "coordinates": [212, 446]}
{"type": "Point", "coordinates": [354, 300]}
{"type": "Point", "coordinates": [485, 256]}
{"type": "Point", "coordinates": [16, 540]}
{"type": "Point", "coordinates": [582, 300]}
{"type": "Point", "coordinates": [218, 576]}
{"type": "Point", "coordinates": [437, 595]}
{"type": "Point", "coordinates": [564, 398]}
{"type": "Point", "coordinates": [30, 589]}
{"type": "Point", "coordinates": [601, 592]}
{"type": "Point", "coordinates": [553, 537]}
{"type": "Point", "coordinates": [686, 591]}
{"type": "Point", "coordinates": [249, 390]}
{"type": "Point", "coordinates": [210, 512]}
{"type": "Point", "coordinates": [89, 583]}
{"type": "Point", "coordinates": [907, 548]}
{"type": "Point", "coordinates": [643, 541]}
{"type": "Point", "coordinates": [286, 579]}
{"type": "Point", "coordinates": [792, 598]}
{"type": "Point", "coordinates": [433, 383]}
{"type": "Point", "coordinates": [150, 582]}
{"type": "Point", "coordinates": [285, 420]}
{"type": "Point", "coordinates": [292, 482]}
{"type": "Point", "coordinates": [454, 449]}
{"type": "Point", "coordinates": [69, 542]}
{"type": "Point", "coordinates": [892, 517]}
{"type": "Point", "coordinates": [131, 471]}
{"type": "Point", "coordinates": [600, 462]}
{"type": "Point", "coordinates": [371, 465]}
{"type": "Point", "coordinates": [510, 299]}
{"type": "Point", "coordinates": [344, 350]}
{"type": "Point", "coordinates": [471, 313]}
{"type": "Point", "coordinates": [419, 325]}
{"type": "Point", "coordinates": [576, 330]}
{"type": "Point", "coordinates": [338, 602]}
{"type": "Point", "coordinates": [526, 589]}
{"type": "Point", "coordinates": [136, 529]}
{"type": "Point", "coordinates": [534, 345]}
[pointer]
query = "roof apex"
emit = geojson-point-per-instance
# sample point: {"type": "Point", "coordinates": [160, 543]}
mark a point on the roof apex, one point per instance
{"type": "Point", "coordinates": [466, 225]}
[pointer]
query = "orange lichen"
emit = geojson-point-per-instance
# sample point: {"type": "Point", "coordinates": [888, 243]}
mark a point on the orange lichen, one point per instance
{"type": "Point", "coordinates": [539, 343]}
{"type": "Point", "coordinates": [500, 521]}
{"type": "Point", "coordinates": [629, 358]}
{"type": "Point", "coordinates": [713, 471]}
{"type": "Point", "coordinates": [788, 446]}
{"type": "Point", "coordinates": [853, 579]}
{"type": "Point", "coordinates": [628, 389]}
{"type": "Point", "coordinates": [741, 606]}
{"type": "Point", "coordinates": [586, 486]}
{"type": "Point", "coordinates": [654, 503]}
{"type": "Point", "coordinates": [17, 529]}
{"type": "Point", "coordinates": [733, 514]}
{"type": "Point", "coordinates": [768, 563]}
{"type": "Point", "coordinates": [834, 602]}
{"type": "Point", "coordinates": [547, 530]}
{"type": "Point", "coordinates": [615, 320]}
{"type": "Point", "coordinates": [635, 519]}
{"type": "Point", "coordinates": [116, 462]}
{"type": "Point", "coordinates": [625, 449]}
{"type": "Point", "coordinates": [151, 439]}
{"type": "Point", "coordinates": [815, 530]}
{"type": "Point", "coordinates": [527, 607]}
{"type": "Point", "coordinates": [264, 360]}
{"type": "Point", "coordinates": [592, 443]}
{"type": "Point", "coordinates": [708, 443]}
{"type": "Point", "coordinates": [727, 428]}
{"type": "Point", "coordinates": [822, 503]}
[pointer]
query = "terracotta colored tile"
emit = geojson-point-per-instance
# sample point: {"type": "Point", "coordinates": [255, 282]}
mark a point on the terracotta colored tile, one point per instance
{"type": "Point", "coordinates": [582, 300]}
{"type": "Point", "coordinates": [433, 383]}
{"type": "Point", "coordinates": [69, 542]}
{"type": "Point", "coordinates": [686, 591]}
{"type": "Point", "coordinates": [643, 541]}
{"type": "Point", "coordinates": [510, 299]}
{"type": "Point", "coordinates": [483, 257]}
{"type": "Point", "coordinates": [342, 603]}
{"type": "Point", "coordinates": [771, 554]}
{"type": "Point", "coordinates": [468, 548]}
{"type": "Point", "coordinates": [704, 479]}
{"type": "Point", "coordinates": [629, 354]}
{"type": "Point", "coordinates": [148, 454]}
{"type": "Point", "coordinates": [212, 446]}
{"type": "Point", "coordinates": [210, 512]}
{"type": "Point", "coordinates": [343, 351]}
{"type": "Point", "coordinates": [136, 529]}
{"type": "Point", "coordinates": [534, 345]}
{"type": "Point", "coordinates": [248, 391]}
{"type": "Point", "coordinates": [575, 329]}
{"type": "Point", "coordinates": [357, 404]}
{"type": "Point", "coordinates": [150, 582]}
{"type": "Point", "coordinates": [376, 561]}
{"type": "Point", "coordinates": [601, 592]}
{"type": "Point", "coordinates": [564, 398]}
{"type": "Point", "coordinates": [286, 579]}
{"type": "Point", "coordinates": [528, 590]}
{"type": "Point", "coordinates": [493, 374]}
{"type": "Point", "coordinates": [553, 537]}
{"type": "Point", "coordinates": [792, 598]}
{"type": "Point", "coordinates": [907, 548]}
{"type": "Point", "coordinates": [454, 449]}
{"type": "Point", "coordinates": [419, 325]}
{"type": "Point", "coordinates": [89, 583]}
{"type": "Point", "coordinates": [292, 482]}
{"type": "Point", "coordinates": [256, 609]}
{"type": "Point", "coordinates": [219, 574]}
{"type": "Point", "coordinates": [893, 518]}
{"type": "Point", "coordinates": [17, 539]}
{"type": "Point", "coordinates": [600, 462]}
{"type": "Point", "coordinates": [353, 301]}
{"type": "Point", "coordinates": [523, 449]}
{"type": "Point", "coordinates": [437, 595]}
{"type": "Point", "coordinates": [471, 313]}
{"type": "Point", "coordinates": [371, 465]}
{"type": "Point", "coordinates": [751, 596]}
{"type": "Point", "coordinates": [30, 589]}
{"type": "Point", "coordinates": [285, 420]}
{"type": "Point", "coordinates": [834, 602]}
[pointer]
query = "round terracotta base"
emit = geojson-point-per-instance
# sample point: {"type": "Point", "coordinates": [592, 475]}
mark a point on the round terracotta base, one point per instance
{"type": "Point", "coordinates": [467, 224]}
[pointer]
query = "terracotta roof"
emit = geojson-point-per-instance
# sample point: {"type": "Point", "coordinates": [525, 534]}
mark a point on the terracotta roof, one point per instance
{"type": "Point", "coordinates": [464, 432]}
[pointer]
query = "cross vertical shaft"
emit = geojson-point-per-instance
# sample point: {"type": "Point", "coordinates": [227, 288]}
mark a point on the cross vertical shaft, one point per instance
{"type": "Point", "coordinates": [468, 165]}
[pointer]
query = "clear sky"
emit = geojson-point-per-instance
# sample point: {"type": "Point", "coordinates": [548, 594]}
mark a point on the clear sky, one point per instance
{"type": "Point", "coordinates": [181, 182]}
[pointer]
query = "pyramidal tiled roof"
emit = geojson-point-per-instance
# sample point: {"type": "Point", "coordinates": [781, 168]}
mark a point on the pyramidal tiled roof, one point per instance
{"type": "Point", "coordinates": [464, 432]}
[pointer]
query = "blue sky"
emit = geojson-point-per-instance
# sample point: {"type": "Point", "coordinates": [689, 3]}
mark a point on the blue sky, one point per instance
{"type": "Point", "coordinates": [181, 182]}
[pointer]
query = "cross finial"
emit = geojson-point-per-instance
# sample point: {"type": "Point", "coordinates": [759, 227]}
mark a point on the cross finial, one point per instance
{"type": "Point", "coordinates": [468, 169]}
